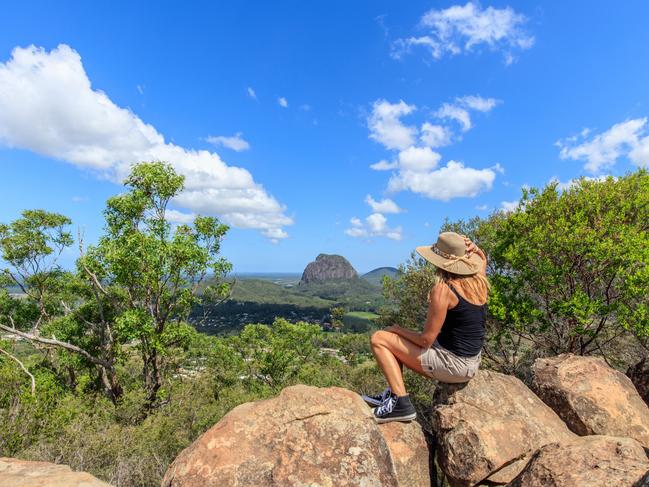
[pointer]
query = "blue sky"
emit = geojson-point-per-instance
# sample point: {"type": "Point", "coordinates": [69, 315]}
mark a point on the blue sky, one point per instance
{"type": "Point", "coordinates": [276, 111]}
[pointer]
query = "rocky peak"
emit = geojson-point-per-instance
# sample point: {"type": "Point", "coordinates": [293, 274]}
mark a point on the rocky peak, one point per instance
{"type": "Point", "coordinates": [326, 267]}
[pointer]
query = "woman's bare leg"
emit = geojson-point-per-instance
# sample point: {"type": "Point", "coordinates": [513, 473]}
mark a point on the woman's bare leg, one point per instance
{"type": "Point", "coordinates": [392, 352]}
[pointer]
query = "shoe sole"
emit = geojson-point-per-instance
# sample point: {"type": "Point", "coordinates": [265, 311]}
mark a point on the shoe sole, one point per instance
{"type": "Point", "coordinates": [406, 418]}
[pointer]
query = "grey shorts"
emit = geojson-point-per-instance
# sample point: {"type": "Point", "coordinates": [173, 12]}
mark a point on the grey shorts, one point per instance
{"type": "Point", "coordinates": [445, 366]}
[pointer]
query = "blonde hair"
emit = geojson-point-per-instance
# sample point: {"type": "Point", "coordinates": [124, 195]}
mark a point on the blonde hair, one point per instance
{"type": "Point", "coordinates": [474, 288]}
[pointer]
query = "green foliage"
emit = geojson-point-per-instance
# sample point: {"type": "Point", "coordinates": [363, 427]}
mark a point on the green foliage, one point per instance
{"type": "Point", "coordinates": [573, 264]}
{"type": "Point", "coordinates": [568, 272]}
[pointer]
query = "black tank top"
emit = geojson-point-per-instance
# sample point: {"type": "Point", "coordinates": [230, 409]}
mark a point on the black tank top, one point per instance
{"type": "Point", "coordinates": [463, 331]}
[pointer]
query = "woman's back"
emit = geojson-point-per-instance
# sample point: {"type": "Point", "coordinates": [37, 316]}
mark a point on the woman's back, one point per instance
{"type": "Point", "coordinates": [463, 331]}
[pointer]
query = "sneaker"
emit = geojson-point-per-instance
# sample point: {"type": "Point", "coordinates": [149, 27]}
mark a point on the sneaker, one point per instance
{"type": "Point", "coordinates": [377, 399]}
{"type": "Point", "coordinates": [395, 409]}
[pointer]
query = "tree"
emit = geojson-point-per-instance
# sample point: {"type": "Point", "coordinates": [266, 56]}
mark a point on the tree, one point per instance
{"type": "Point", "coordinates": [337, 315]}
{"type": "Point", "coordinates": [133, 290]}
{"type": "Point", "coordinates": [573, 264]}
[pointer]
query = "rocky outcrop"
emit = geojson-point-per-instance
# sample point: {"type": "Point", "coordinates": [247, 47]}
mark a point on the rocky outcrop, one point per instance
{"type": "Point", "coordinates": [22, 473]}
{"type": "Point", "coordinates": [591, 397]}
{"type": "Point", "coordinates": [586, 461]}
{"type": "Point", "coordinates": [639, 375]}
{"type": "Point", "coordinates": [305, 436]}
{"type": "Point", "coordinates": [327, 267]}
{"type": "Point", "coordinates": [488, 428]}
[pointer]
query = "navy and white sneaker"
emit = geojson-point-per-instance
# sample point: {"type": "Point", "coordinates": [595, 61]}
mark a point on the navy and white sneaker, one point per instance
{"type": "Point", "coordinates": [377, 399]}
{"type": "Point", "coordinates": [395, 409]}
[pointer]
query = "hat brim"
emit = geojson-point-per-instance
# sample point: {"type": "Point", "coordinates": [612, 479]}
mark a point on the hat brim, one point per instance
{"type": "Point", "coordinates": [460, 267]}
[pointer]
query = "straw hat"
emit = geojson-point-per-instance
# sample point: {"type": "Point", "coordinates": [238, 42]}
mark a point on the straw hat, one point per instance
{"type": "Point", "coordinates": [449, 254]}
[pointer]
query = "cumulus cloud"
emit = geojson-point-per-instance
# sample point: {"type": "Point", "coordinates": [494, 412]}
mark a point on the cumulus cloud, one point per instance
{"type": "Point", "coordinates": [48, 106]}
{"type": "Point", "coordinates": [563, 186]}
{"type": "Point", "coordinates": [452, 181]}
{"type": "Point", "coordinates": [455, 112]}
{"type": "Point", "coordinates": [460, 29]}
{"type": "Point", "coordinates": [418, 159]}
{"type": "Point", "coordinates": [459, 111]}
{"type": "Point", "coordinates": [374, 225]}
{"type": "Point", "coordinates": [235, 142]}
{"type": "Point", "coordinates": [384, 165]}
{"type": "Point", "coordinates": [384, 206]}
{"type": "Point", "coordinates": [509, 206]}
{"type": "Point", "coordinates": [601, 151]}
{"type": "Point", "coordinates": [282, 102]}
{"type": "Point", "coordinates": [386, 127]}
{"type": "Point", "coordinates": [435, 135]}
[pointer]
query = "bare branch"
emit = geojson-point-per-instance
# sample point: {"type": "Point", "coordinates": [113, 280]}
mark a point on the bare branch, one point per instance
{"type": "Point", "coordinates": [22, 366]}
{"type": "Point", "coordinates": [57, 343]}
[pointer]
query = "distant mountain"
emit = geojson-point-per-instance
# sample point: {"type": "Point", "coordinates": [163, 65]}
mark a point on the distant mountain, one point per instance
{"type": "Point", "coordinates": [376, 276]}
{"type": "Point", "coordinates": [327, 267]}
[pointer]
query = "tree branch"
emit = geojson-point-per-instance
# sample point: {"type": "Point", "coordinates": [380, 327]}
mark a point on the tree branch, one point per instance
{"type": "Point", "coordinates": [22, 366]}
{"type": "Point", "coordinates": [57, 343]}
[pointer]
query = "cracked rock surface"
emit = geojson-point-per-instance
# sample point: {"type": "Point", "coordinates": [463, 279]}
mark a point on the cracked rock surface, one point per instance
{"type": "Point", "coordinates": [306, 436]}
{"type": "Point", "coordinates": [488, 428]}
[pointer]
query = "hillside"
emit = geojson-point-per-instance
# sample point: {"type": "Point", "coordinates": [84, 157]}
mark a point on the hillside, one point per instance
{"type": "Point", "coordinates": [376, 276]}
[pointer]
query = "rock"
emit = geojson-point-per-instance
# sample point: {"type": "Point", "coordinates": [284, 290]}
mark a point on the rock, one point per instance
{"type": "Point", "coordinates": [591, 397]}
{"type": "Point", "coordinates": [487, 429]}
{"type": "Point", "coordinates": [409, 452]}
{"type": "Point", "coordinates": [328, 267]}
{"type": "Point", "coordinates": [639, 375]}
{"type": "Point", "coordinates": [304, 436]}
{"type": "Point", "coordinates": [22, 473]}
{"type": "Point", "coordinates": [586, 461]}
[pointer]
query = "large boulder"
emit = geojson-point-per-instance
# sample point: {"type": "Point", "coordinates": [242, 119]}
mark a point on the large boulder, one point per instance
{"type": "Point", "coordinates": [639, 375]}
{"type": "Point", "coordinates": [304, 436]}
{"type": "Point", "coordinates": [591, 397]}
{"type": "Point", "coordinates": [586, 461]}
{"type": "Point", "coordinates": [488, 428]}
{"type": "Point", "coordinates": [22, 473]}
{"type": "Point", "coordinates": [326, 267]}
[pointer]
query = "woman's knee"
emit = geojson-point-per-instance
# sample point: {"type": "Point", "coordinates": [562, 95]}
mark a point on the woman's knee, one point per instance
{"type": "Point", "coordinates": [379, 337]}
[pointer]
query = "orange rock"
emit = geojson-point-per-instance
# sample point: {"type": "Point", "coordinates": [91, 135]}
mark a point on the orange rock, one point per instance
{"type": "Point", "coordinates": [591, 397]}
{"type": "Point", "coordinates": [305, 436]}
{"type": "Point", "coordinates": [22, 473]}
{"type": "Point", "coordinates": [488, 428]}
{"type": "Point", "coordinates": [587, 461]}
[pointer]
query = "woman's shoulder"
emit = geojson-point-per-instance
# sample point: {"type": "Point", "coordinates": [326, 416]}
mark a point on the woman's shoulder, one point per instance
{"type": "Point", "coordinates": [441, 293]}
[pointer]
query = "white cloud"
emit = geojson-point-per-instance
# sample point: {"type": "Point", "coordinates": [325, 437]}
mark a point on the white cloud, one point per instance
{"type": "Point", "coordinates": [435, 135]}
{"type": "Point", "coordinates": [175, 216]}
{"type": "Point", "coordinates": [140, 89]}
{"type": "Point", "coordinates": [459, 111]}
{"type": "Point", "coordinates": [418, 159]}
{"type": "Point", "coordinates": [48, 106]}
{"type": "Point", "coordinates": [384, 206]}
{"type": "Point", "coordinates": [509, 206]}
{"type": "Point", "coordinates": [452, 181]}
{"type": "Point", "coordinates": [478, 103]}
{"type": "Point", "coordinates": [282, 102]}
{"type": "Point", "coordinates": [374, 225]}
{"type": "Point", "coordinates": [251, 93]}
{"type": "Point", "coordinates": [384, 165]}
{"type": "Point", "coordinates": [603, 150]}
{"type": "Point", "coordinates": [481, 207]}
{"type": "Point", "coordinates": [563, 186]}
{"type": "Point", "coordinates": [454, 112]}
{"type": "Point", "coordinates": [386, 127]}
{"type": "Point", "coordinates": [235, 142]}
{"type": "Point", "coordinates": [459, 29]}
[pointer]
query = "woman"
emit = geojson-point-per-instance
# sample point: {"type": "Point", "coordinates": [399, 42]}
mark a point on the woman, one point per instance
{"type": "Point", "coordinates": [449, 347]}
